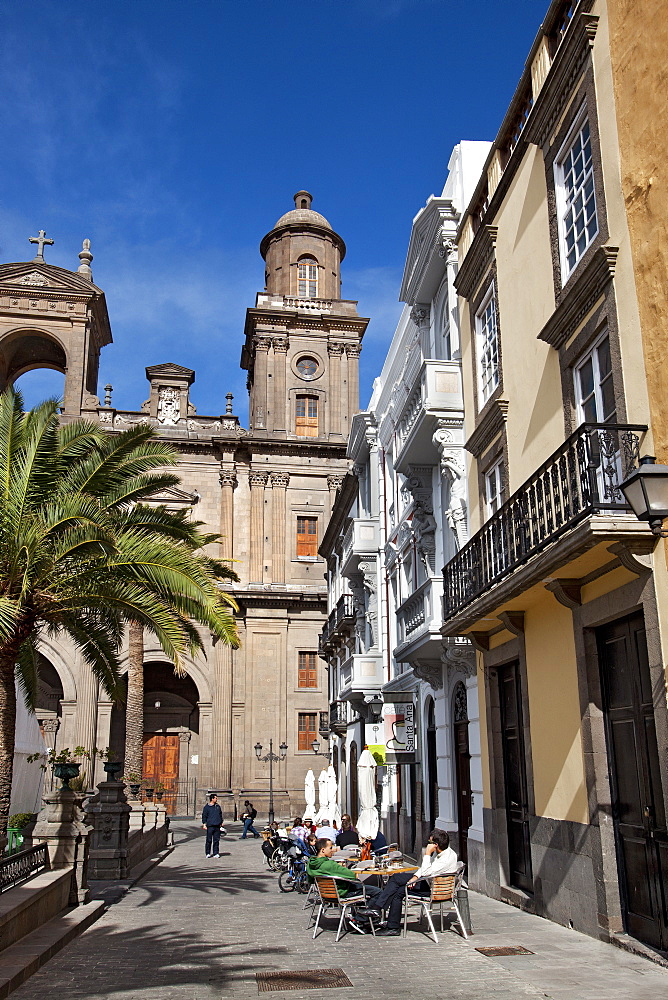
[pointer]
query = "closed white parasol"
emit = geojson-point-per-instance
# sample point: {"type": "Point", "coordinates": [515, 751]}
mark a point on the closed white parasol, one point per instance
{"type": "Point", "coordinates": [323, 799]}
{"type": "Point", "coordinates": [367, 822]}
{"type": "Point", "coordinates": [309, 794]}
{"type": "Point", "coordinates": [334, 813]}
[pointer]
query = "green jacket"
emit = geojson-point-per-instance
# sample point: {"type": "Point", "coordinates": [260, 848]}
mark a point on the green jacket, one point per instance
{"type": "Point", "coordinates": [325, 866]}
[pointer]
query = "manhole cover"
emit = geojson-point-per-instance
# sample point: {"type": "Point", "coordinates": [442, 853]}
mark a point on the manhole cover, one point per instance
{"type": "Point", "coordinates": [307, 979]}
{"type": "Point", "coordinates": [513, 949]}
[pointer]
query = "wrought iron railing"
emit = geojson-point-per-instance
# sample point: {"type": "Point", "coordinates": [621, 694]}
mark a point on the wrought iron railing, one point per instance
{"type": "Point", "coordinates": [22, 866]}
{"type": "Point", "coordinates": [582, 477]}
{"type": "Point", "coordinates": [338, 714]}
{"type": "Point", "coordinates": [343, 612]}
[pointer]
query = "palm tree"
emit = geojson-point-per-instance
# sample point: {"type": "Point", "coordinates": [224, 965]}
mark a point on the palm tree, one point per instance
{"type": "Point", "coordinates": [81, 554]}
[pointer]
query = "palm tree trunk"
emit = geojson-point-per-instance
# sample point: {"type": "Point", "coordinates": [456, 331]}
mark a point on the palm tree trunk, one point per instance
{"type": "Point", "coordinates": [134, 711]}
{"type": "Point", "coordinates": [8, 657]}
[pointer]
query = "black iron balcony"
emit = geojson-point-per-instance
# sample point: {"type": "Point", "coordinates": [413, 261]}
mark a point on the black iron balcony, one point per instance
{"type": "Point", "coordinates": [581, 478]}
{"type": "Point", "coordinates": [343, 615]}
{"type": "Point", "coordinates": [338, 717]}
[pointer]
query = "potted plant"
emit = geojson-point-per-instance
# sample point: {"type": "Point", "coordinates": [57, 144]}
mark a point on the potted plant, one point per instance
{"type": "Point", "coordinates": [159, 790]}
{"type": "Point", "coordinates": [62, 763]}
{"type": "Point", "coordinates": [15, 831]}
{"type": "Point", "coordinates": [148, 791]}
{"type": "Point", "coordinates": [134, 781]}
{"type": "Point", "coordinates": [112, 767]}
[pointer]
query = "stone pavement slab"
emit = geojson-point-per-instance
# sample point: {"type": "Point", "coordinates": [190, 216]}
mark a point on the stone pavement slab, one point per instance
{"type": "Point", "coordinates": [195, 929]}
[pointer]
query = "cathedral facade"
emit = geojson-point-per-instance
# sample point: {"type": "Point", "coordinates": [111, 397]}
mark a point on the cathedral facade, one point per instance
{"type": "Point", "coordinates": [268, 490]}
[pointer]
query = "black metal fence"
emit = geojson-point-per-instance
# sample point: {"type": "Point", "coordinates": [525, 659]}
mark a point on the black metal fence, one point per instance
{"type": "Point", "coordinates": [22, 866]}
{"type": "Point", "coordinates": [581, 478]}
{"type": "Point", "coordinates": [343, 612]}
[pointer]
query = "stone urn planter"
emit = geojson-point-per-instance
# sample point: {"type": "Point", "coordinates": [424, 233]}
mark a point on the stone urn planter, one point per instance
{"type": "Point", "coordinates": [66, 771]}
{"type": "Point", "coordinates": [159, 795]}
{"type": "Point", "coordinates": [134, 788]}
{"type": "Point", "coordinates": [149, 792]}
{"type": "Point", "coordinates": [112, 768]}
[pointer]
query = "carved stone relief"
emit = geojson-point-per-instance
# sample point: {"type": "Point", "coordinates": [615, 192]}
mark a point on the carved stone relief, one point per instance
{"type": "Point", "coordinates": [169, 405]}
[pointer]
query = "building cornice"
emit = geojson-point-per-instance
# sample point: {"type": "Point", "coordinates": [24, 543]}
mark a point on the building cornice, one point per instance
{"type": "Point", "coordinates": [477, 261]}
{"type": "Point", "coordinates": [587, 288]}
{"type": "Point", "coordinates": [491, 424]}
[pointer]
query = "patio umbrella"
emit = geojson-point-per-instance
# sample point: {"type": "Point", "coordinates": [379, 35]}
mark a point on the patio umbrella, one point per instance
{"type": "Point", "coordinates": [323, 799]}
{"type": "Point", "coordinates": [367, 823]}
{"type": "Point", "coordinates": [334, 813]}
{"type": "Point", "coordinates": [309, 794]}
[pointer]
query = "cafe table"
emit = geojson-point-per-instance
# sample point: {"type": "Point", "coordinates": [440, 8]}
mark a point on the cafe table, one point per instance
{"type": "Point", "coordinates": [364, 873]}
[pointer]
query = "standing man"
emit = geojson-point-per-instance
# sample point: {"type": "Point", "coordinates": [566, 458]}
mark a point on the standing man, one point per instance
{"type": "Point", "coordinates": [212, 821]}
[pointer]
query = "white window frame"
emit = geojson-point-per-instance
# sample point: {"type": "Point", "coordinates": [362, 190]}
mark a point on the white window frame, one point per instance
{"type": "Point", "coordinates": [307, 278]}
{"type": "Point", "coordinates": [487, 340]}
{"type": "Point", "coordinates": [564, 203]}
{"type": "Point", "coordinates": [592, 354]}
{"type": "Point", "coordinates": [494, 488]}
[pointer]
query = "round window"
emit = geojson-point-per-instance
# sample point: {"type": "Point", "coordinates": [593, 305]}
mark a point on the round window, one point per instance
{"type": "Point", "coordinates": [307, 367]}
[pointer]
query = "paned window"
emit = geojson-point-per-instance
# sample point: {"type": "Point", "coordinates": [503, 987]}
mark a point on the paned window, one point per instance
{"type": "Point", "coordinates": [307, 278]}
{"type": "Point", "coordinates": [306, 416]}
{"type": "Point", "coordinates": [307, 729]}
{"type": "Point", "coordinates": [307, 674]}
{"type": "Point", "coordinates": [594, 391]}
{"type": "Point", "coordinates": [494, 491]}
{"type": "Point", "coordinates": [578, 221]}
{"type": "Point", "coordinates": [307, 536]}
{"type": "Point", "coordinates": [487, 331]}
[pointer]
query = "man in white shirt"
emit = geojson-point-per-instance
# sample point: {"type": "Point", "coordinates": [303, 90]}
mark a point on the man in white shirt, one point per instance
{"type": "Point", "coordinates": [439, 859]}
{"type": "Point", "coordinates": [325, 831]}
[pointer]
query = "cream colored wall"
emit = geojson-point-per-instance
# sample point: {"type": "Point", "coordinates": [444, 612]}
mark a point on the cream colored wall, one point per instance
{"type": "Point", "coordinates": [531, 379]}
{"type": "Point", "coordinates": [554, 712]}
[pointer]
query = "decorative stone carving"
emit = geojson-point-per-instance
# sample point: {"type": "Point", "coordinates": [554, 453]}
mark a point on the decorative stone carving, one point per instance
{"type": "Point", "coordinates": [227, 478]}
{"type": "Point", "coordinates": [280, 479]}
{"type": "Point", "coordinates": [50, 725]}
{"type": "Point", "coordinates": [34, 278]}
{"type": "Point", "coordinates": [281, 345]}
{"type": "Point", "coordinates": [109, 815]}
{"type": "Point", "coordinates": [430, 671]}
{"type": "Point", "coordinates": [419, 314]}
{"type": "Point", "coordinates": [460, 703]}
{"type": "Point", "coordinates": [185, 735]}
{"type": "Point", "coordinates": [459, 658]}
{"type": "Point", "coordinates": [454, 471]}
{"type": "Point", "coordinates": [353, 350]}
{"type": "Point", "coordinates": [371, 435]}
{"type": "Point", "coordinates": [169, 405]}
{"type": "Point", "coordinates": [566, 591]}
{"type": "Point", "coordinates": [262, 343]}
{"type": "Point", "coordinates": [424, 529]}
{"type": "Point", "coordinates": [334, 347]}
{"type": "Point", "coordinates": [448, 247]}
{"type": "Point", "coordinates": [335, 483]}
{"type": "Point", "coordinates": [258, 479]}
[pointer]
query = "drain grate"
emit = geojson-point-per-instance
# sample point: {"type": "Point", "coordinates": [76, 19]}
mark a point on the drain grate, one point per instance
{"type": "Point", "coordinates": [512, 949]}
{"type": "Point", "coordinates": [306, 979]}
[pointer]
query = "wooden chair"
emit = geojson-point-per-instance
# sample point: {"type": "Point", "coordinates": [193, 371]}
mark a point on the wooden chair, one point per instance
{"type": "Point", "coordinates": [443, 889]}
{"type": "Point", "coordinates": [330, 897]}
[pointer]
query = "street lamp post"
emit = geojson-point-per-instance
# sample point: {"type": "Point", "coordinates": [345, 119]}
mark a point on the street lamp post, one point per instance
{"type": "Point", "coordinates": [271, 757]}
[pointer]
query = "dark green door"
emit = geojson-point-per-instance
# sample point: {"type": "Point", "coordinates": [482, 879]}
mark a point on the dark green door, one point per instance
{"type": "Point", "coordinates": [515, 778]}
{"type": "Point", "coordinates": [637, 800]}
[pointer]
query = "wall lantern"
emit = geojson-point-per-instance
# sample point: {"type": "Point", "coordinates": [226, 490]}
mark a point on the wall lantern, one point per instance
{"type": "Point", "coordinates": [646, 492]}
{"type": "Point", "coordinates": [375, 705]}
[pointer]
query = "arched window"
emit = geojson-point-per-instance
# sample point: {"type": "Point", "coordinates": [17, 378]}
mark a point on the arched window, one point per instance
{"type": "Point", "coordinates": [307, 278]}
{"type": "Point", "coordinates": [306, 416]}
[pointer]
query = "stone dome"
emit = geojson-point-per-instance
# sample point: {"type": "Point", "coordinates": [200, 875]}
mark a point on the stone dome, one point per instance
{"type": "Point", "coordinates": [302, 213]}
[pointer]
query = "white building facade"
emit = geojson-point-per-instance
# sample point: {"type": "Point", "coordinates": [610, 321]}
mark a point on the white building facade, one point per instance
{"type": "Point", "coordinates": [396, 684]}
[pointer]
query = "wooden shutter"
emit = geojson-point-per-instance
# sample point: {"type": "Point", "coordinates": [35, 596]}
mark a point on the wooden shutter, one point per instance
{"type": "Point", "coordinates": [307, 536]}
{"type": "Point", "coordinates": [308, 670]}
{"type": "Point", "coordinates": [306, 416]}
{"type": "Point", "coordinates": [307, 729]}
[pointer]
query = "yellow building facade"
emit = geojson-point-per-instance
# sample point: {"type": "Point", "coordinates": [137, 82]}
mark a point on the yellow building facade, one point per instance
{"type": "Point", "coordinates": [563, 591]}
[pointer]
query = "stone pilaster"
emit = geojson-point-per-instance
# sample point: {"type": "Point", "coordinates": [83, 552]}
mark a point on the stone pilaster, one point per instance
{"type": "Point", "coordinates": [259, 416]}
{"type": "Point", "coordinates": [222, 713]}
{"type": "Point", "coordinates": [228, 483]}
{"type": "Point", "coordinates": [334, 404]}
{"type": "Point", "coordinates": [279, 486]}
{"type": "Point", "coordinates": [257, 482]}
{"type": "Point", "coordinates": [353, 353]}
{"type": "Point", "coordinates": [280, 402]}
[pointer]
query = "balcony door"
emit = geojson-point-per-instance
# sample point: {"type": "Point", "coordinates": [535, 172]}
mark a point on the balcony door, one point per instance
{"type": "Point", "coordinates": [515, 778]}
{"type": "Point", "coordinates": [637, 802]}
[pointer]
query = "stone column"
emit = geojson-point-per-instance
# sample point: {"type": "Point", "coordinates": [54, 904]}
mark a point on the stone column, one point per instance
{"type": "Point", "coordinates": [88, 689]}
{"type": "Point", "coordinates": [222, 710]}
{"type": "Point", "coordinates": [280, 402]}
{"type": "Point", "coordinates": [334, 402]}
{"type": "Point", "coordinates": [66, 836]}
{"type": "Point", "coordinates": [228, 482]}
{"type": "Point", "coordinates": [262, 345]}
{"type": "Point", "coordinates": [279, 486]}
{"type": "Point", "coordinates": [50, 728]}
{"type": "Point", "coordinates": [353, 352]}
{"type": "Point", "coordinates": [108, 854]}
{"type": "Point", "coordinates": [257, 481]}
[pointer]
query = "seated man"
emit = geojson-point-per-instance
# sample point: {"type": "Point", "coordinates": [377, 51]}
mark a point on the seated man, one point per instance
{"type": "Point", "coordinates": [323, 865]}
{"type": "Point", "coordinates": [325, 830]}
{"type": "Point", "coordinates": [439, 859]}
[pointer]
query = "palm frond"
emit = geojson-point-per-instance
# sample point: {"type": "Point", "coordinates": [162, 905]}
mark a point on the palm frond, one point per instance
{"type": "Point", "coordinates": [27, 673]}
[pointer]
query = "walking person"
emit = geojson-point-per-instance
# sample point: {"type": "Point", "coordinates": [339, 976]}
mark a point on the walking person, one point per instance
{"type": "Point", "coordinates": [248, 817]}
{"type": "Point", "coordinates": [212, 822]}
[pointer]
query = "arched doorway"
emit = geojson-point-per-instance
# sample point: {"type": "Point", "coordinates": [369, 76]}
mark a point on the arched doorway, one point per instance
{"type": "Point", "coordinates": [432, 763]}
{"type": "Point", "coordinates": [462, 768]}
{"type": "Point", "coordinates": [171, 736]}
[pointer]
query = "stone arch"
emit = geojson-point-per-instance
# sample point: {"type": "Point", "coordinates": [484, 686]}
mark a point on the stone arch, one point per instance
{"type": "Point", "coordinates": [26, 349]}
{"type": "Point", "coordinates": [60, 657]}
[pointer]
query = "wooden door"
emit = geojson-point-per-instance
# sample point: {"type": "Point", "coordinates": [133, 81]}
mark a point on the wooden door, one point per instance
{"type": "Point", "coordinates": [637, 802]}
{"type": "Point", "coordinates": [515, 778]}
{"type": "Point", "coordinates": [432, 765]}
{"type": "Point", "coordinates": [161, 763]}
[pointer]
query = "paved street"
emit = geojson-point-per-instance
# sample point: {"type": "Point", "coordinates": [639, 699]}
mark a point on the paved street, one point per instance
{"type": "Point", "coordinates": [195, 928]}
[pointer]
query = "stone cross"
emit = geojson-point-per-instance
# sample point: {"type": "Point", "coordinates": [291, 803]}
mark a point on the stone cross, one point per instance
{"type": "Point", "coordinates": [41, 241]}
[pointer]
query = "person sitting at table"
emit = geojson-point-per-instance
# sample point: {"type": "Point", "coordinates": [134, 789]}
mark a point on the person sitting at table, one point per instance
{"type": "Point", "coordinates": [347, 835]}
{"type": "Point", "coordinates": [439, 859]}
{"type": "Point", "coordinates": [323, 865]}
{"type": "Point", "coordinates": [325, 830]}
{"type": "Point", "coordinates": [299, 830]}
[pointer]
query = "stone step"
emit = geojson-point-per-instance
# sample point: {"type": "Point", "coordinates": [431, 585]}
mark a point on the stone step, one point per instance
{"type": "Point", "coordinates": [22, 959]}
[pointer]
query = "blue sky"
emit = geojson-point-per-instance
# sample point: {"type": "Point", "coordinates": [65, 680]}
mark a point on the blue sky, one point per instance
{"type": "Point", "coordinates": [173, 134]}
